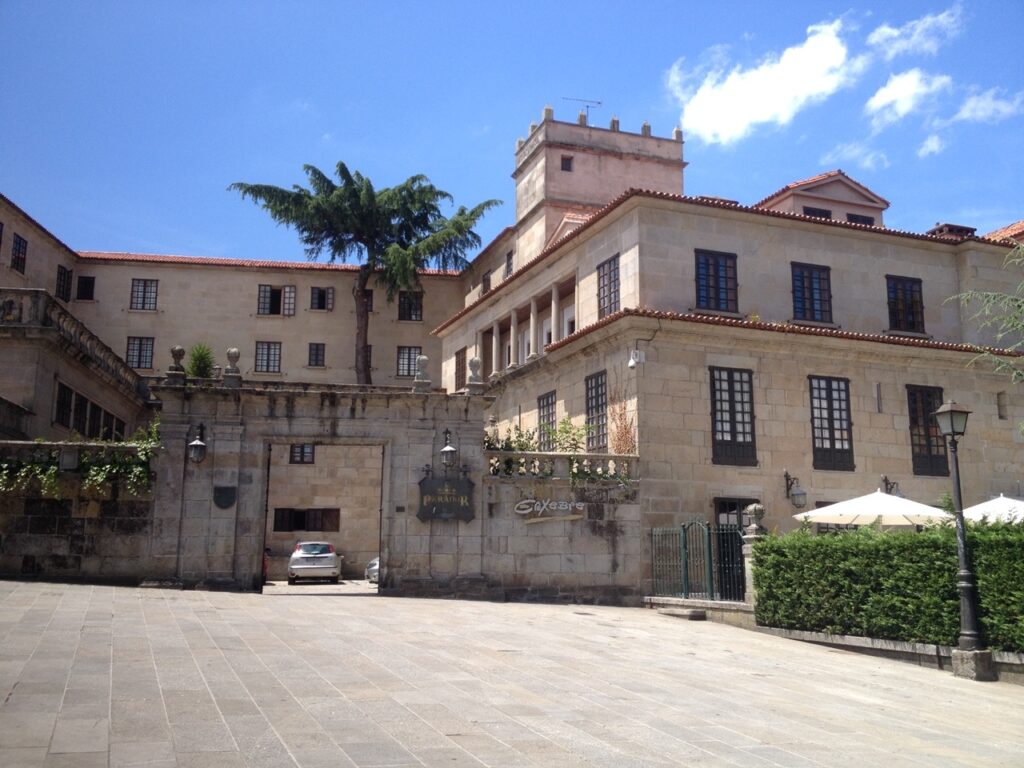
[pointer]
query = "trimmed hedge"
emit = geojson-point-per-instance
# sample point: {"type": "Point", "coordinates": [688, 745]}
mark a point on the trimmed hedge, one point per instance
{"type": "Point", "coordinates": [892, 585]}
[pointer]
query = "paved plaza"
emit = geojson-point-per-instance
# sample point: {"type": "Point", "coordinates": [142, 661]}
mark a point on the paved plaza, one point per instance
{"type": "Point", "coordinates": [324, 675]}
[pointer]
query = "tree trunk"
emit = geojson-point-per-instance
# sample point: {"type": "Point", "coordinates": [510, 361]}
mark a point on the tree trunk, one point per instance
{"type": "Point", "coordinates": [362, 326]}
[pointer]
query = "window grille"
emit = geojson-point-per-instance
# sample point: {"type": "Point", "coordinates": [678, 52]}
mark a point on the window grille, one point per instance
{"type": "Point", "coordinates": [140, 352]}
{"type": "Point", "coordinates": [86, 288]}
{"type": "Point", "coordinates": [317, 354]}
{"type": "Point", "coordinates": [143, 294]}
{"type": "Point", "coordinates": [546, 421]}
{"type": "Point", "coordinates": [597, 411]}
{"type": "Point", "coordinates": [716, 281]}
{"type": "Point", "coordinates": [460, 370]}
{"type": "Point", "coordinates": [302, 453]}
{"type": "Point", "coordinates": [831, 425]}
{"type": "Point", "coordinates": [608, 287]}
{"type": "Point", "coordinates": [927, 445]}
{"type": "Point", "coordinates": [732, 417]}
{"type": "Point", "coordinates": [268, 357]}
{"type": "Point", "coordinates": [19, 253]}
{"type": "Point", "coordinates": [63, 289]}
{"type": "Point", "coordinates": [321, 298]}
{"type": "Point", "coordinates": [906, 308]}
{"type": "Point", "coordinates": [410, 305]}
{"type": "Point", "coordinates": [407, 360]}
{"type": "Point", "coordinates": [812, 293]}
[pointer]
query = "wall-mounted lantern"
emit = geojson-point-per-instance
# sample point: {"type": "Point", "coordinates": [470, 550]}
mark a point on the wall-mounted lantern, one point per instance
{"type": "Point", "coordinates": [797, 496]}
{"type": "Point", "coordinates": [197, 448]}
{"type": "Point", "coordinates": [449, 453]}
{"type": "Point", "coordinates": [892, 487]}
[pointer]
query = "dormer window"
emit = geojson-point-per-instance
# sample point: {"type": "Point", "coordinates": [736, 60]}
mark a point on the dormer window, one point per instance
{"type": "Point", "coordinates": [856, 218]}
{"type": "Point", "coordinates": [818, 213]}
{"type": "Point", "coordinates": [485, 282]}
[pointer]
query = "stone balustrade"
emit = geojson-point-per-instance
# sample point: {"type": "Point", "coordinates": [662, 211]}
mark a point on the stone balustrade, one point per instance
{"type": "Point", "coordinates": [34, 308]}
{"type": "Point", "coordinates": [595, 466]}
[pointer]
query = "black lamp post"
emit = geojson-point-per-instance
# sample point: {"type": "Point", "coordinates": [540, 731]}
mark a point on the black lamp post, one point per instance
{"type": "Point", "coordinates": [952, 421]}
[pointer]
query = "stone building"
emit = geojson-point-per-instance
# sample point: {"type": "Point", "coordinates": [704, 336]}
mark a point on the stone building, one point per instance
{"type": "Point", "coordinates": [729, 346]}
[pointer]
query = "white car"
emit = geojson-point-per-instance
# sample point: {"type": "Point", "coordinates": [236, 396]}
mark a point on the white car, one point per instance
{"type": "Point", "coordinates": [314, 560]}
{"type": "Point", "coordinates": [372, 572]}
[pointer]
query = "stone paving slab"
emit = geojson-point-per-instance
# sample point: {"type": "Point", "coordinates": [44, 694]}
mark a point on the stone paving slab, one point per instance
{"type": "Point", "coordinates": [333, 675]}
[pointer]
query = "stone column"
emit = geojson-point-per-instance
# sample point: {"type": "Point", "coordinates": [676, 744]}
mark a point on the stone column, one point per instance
{"type": "Point", "coordinates": [751, 534]}
{"type": "Point", "coordinates": [479, 350]}
{"type": "Point", "coordinates": [534, 330]}
{"type": "Point", "coordinates": [513, 337]}
{"type": "Point", "coordinates": [495, 350]}
{"type": "Point", "coordinates": [555, 335]}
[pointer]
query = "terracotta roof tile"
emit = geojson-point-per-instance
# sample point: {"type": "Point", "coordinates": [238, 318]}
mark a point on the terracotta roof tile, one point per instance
{"type": "Point", "coordinates": [1013, 231]}
{"type": "Point", "coordinates": [701, 201]}
{"type": "Point", "coordinates": [820, 177]}
{"type": "Point", "coordinates": [790, 328]}
{"type": "Point", "coordinates": [209, 261]}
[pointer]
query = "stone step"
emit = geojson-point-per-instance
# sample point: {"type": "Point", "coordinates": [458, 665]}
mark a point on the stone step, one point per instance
{"type": "Point", "coordinates": [690, 614]}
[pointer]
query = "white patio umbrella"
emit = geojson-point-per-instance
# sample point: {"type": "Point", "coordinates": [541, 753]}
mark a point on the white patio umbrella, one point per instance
{"type": "Point", "coordinates": [882, 507]}
{"type": "Point", "coordinates": [1004, 508]}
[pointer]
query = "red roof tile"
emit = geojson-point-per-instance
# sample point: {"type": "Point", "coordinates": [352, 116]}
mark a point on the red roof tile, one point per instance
{"type": "Point", "coordinates": [791, 328]}
{"type": "Point", "coordinates": [209, 261]}
{"type": "Point", "coordinates": [1013, 231]}
{"type": "Point", "coordinates": [700, 201]}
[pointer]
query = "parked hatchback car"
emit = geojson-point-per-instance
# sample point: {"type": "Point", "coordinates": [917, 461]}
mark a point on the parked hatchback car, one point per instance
{"type": "Point", "coordinates": [373, 570]}
{"type": "Point", "coordinates": [314, 560]}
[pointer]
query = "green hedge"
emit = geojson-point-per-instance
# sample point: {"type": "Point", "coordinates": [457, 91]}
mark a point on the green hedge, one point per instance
{"type": "Point", "coordinates": [892, 585]}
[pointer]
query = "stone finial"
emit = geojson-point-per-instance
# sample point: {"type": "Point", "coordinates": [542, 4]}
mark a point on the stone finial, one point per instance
{"type": "Point", "coordinates": [756, 514]}
{"type": "Point", "coordinates": [533, 127]}
{"type": "Point", "coordinates": [421, 384]}
{"type": "Point", "coordinates": [519, 144]}
{"type": "Point", "coordinates": [177, 354]}
{"type": "Point", "coordinates": [549, 112]}
{"type": "Point", "coordinates": [614, 124]}
{"type": "Point", "coordinates": [677, 134]}
{"type": "Point", "coordinates": [232, 354]}
{"type": "Point", "coordinates": [475, 383]}
{"type": "Point", "coordinates": [645, 129]}
{"type": "Point", "coordinates": [581, 118]}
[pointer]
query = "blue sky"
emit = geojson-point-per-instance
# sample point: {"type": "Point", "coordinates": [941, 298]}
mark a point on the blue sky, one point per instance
{"type": "Point", "coordinates": [124, 123]}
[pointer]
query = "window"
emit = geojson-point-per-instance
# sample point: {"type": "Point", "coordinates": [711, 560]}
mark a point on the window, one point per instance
{"type": "Point", "coordinates": [143, 294]}
{"type": "Point", "coordinates": [1001, 406]}
{"type": "Point", "coordinates": [276, 300]}
{"type": "Point", "coordinates": [73, 411]}
{"type": "Point", "coordinates": [268, 357]}
{"type": "Point", "coordinates": [368, 295]}
{"type": "Point", "coordinates": [732, 417]}
{"type": "Point", "coordinates": [716, 281]}
{"type": "Point", "coordinates": [485, 282]}
{"type": "Point", "coordinates": [317, 519]}
{"type": "Point", "coordinates": [567, 163]}
{"type": "Point", "coordinates": [927, 446]}
{"type": "Point", "coordinates": [597, 411]}
{"type": "Point", "coordinates": [546, 421]}
{"type": "Point", "coordinates": [508, 264]}
{"type": "Point", "coordinates": [831, 426]}
{"type": "Point", "coordinates": [140, 352]}
{"type": "Point", "coordinates": [321, 298]}
{"type": "Point", "coordinates": [460, 370]}
{"type": "Point", "coordinates": [856, 218]}
{"type": "Point", "coordinates": [608, 287]}
{"type": "Point", "coordinates": [812, 293]}
{"type": "Point", "coordinates": [19, 251]}
{"type": "Point", "coordinates": [410, 305]}
{"type": "Point", "coordinates": [818, 213]}
{"type": "Point", "coordinates": [407, 360]}
{"type": "Point", "coordinates": [302, 453]}
{"type": "Point", "coordinates": [906, 309]}
{"type": "Point", "coordinates": [63, 290]}
{"type": "Point", "coordinates": [86, 288]}
{"type": "Point", "coordinates": [316, 354]}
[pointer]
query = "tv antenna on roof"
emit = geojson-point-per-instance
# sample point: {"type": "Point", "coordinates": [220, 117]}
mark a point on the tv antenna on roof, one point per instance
{"type": "Point", "coordinates": [588, 102]}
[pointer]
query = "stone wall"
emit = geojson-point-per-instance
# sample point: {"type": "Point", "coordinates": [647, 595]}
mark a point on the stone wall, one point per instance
{"type": "Point", "coordinates": [82, 537]}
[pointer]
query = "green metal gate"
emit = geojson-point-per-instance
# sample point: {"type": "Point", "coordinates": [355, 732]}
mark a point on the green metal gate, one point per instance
{"type": "Point", "coordinates": [699, 560]}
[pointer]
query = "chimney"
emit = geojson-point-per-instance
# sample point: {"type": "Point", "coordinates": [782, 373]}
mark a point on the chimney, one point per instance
{"type": "Point", "coordinates": [954, 231]}
{"type": "Point", "coordinates": [645, 129]}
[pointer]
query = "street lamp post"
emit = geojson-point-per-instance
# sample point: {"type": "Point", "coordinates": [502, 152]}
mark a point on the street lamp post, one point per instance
{"type": "Point", "coordinates": [973, 660]}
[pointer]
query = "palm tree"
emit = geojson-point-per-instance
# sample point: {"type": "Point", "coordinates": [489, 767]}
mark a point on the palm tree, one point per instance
{"type": "Point", "coordinates": [394, 232]}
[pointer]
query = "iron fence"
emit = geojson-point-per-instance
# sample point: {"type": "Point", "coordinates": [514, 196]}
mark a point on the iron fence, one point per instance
{"type": "Point", "coordinates": [699, 560]}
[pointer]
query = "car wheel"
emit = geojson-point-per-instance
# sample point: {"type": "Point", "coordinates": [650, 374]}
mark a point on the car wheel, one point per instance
{"type": "Point", "coordinates": [291, 579]}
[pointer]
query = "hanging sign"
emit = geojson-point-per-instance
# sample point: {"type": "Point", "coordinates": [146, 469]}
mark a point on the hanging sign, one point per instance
{"type": "Point", "coordinates": [446, 498]}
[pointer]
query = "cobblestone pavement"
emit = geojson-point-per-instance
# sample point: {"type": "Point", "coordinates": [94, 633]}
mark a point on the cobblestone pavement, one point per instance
{"type": "Point", "coordinates": [322, 675]}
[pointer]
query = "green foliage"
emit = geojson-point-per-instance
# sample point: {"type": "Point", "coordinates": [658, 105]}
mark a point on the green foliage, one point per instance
{"type": "Point", "coordinates": [42, 468]}
{"type": "Point", "coordinates": [892, 585]}
{"type": "Point", "coordinates": [131, 469]}
{"type": "Point", "coordinates": [200, 362]}
{"type": "Point", "coordinates": [395, 231]}
{"type": "Point", "coordinates": [568, 437]}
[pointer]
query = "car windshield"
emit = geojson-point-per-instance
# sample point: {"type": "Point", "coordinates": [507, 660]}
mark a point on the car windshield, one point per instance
{"type": "Point", "coordinates": [315, 549]}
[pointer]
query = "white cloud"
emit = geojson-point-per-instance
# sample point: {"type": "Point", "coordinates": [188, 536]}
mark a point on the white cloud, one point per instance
{"type": "Point", "coordinates": [722, 105]}
{"type": "Point", "coordinates": [901, 95]}
{"type": "Point", "coordinates": [988, 107]}
{"type": "Point", "coordinates": [856, 152]}
{"type": "Point", "coordinates": [933, 145]}
{"type": "Point", "coordinates": [923, 35]}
